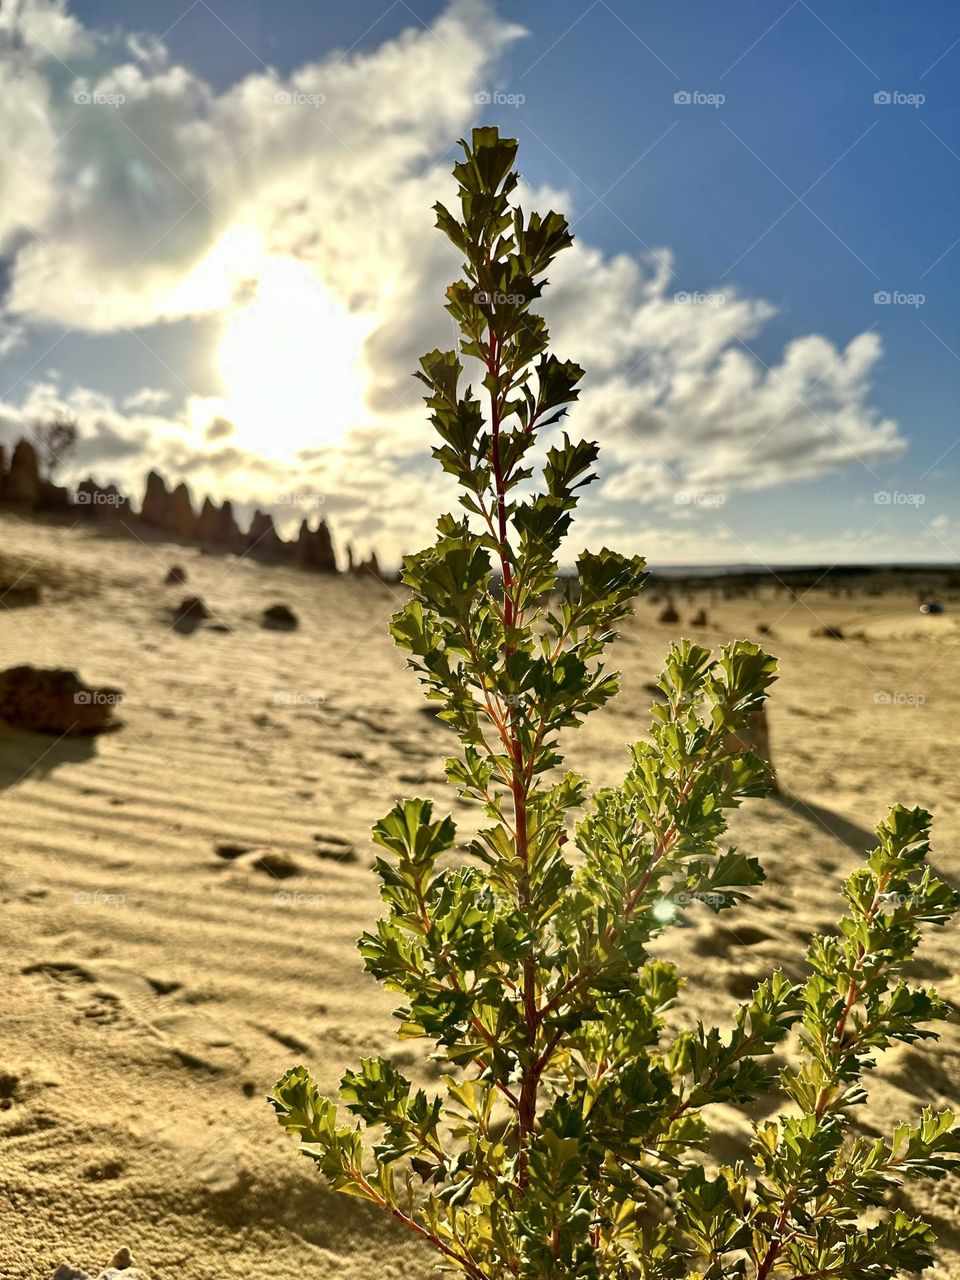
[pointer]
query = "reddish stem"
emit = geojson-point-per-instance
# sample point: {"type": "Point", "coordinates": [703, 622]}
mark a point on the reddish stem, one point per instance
{"type": "Point", "coordinates": [527, 1103]}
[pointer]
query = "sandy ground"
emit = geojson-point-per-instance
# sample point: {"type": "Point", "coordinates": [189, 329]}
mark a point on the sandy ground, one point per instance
{"type": "Point", "coordinates": [151, 990]}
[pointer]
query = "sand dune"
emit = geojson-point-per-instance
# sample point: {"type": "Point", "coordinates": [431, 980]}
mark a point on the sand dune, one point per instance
{"type": "Point", "coordinates": [156, 975]}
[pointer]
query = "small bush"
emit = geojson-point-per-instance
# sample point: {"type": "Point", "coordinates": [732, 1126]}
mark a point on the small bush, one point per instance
{"type": "Point", "coordinates": [570, 1138]}
{"type": "Point", "coordinates": [55, 439]}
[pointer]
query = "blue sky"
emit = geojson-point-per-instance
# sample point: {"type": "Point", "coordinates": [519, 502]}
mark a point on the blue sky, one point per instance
{"type": "Point", "coordinates": [781, 199]}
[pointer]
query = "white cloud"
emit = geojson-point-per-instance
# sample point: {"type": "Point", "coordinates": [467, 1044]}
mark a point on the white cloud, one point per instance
{"type": "Point", "coordinates": [147, 398]}
{"type": "Point", "coordinates": [12, 335]}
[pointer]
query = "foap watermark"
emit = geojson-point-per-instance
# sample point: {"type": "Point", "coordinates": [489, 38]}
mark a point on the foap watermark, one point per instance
{"type": "Point", "coordinates": [97, 698]}
{"type": "Point", "coordinates": [893, 498]}
{"type": "Point", "coordinates": [484, 299]}
{"type": "Point", "coordinates": [696, 98]}
{"type": "Point", "coordinates": [685, 298]}
{"type": "Point", "coordinates": [97, 98]}
{"type": "Point", "coordinates": [667, 908]}
{"type": "Point", "coordinates": [895, 698]}
{"type": "Point", "coordinates": [686, 498]}
{"type": "Point", "coordinates": [897, 900]}
{"type": "Point", "coordinates": [98, 898]}
{"type": "Point", "coordinates": [713, 898]}
{"type": "Point", "coordinates": [298, 698]}
{"type": "Point", "coordinates": [296, 98]}
{"type": "Point", "coordinates": [497, 98]}
{"type": "Point", "coordinates": [302, 498]}
{"type": "Point", "coordinates": [895, 98]}
{"type": "Point", "coordinates": [283, 898]}
{"type": "Point", "coordinates": [95, 498]}
{"type": "Point", "coordinates": [897, 298]}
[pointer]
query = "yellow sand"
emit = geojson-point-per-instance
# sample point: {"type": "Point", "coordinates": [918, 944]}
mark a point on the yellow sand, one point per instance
{"type": "Point", "coordinates": [151, 991]}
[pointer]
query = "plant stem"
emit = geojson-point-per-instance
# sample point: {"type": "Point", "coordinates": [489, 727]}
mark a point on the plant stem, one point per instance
{"type": "Point", "coordinates": [530, 1076]}
{"type": "Point", "coordinates": [853, 993]}
{"type": "Point", "coordinates": [469, 1266]}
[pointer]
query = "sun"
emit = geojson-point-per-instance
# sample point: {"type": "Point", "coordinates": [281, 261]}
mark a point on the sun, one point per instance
{"type": "Point", "coordinates": [291, 362]}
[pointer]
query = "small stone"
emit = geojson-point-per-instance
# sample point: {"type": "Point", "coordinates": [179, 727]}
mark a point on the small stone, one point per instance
{"type": "Point", "coordinates": [278, 865]}
{"type": "Point", "coordinates": [231, 851]}
{"type": "Point", "coordinates": [176, 576]}
{"type": "Point", "coordinates": [280, 617]}
{"type": "Point", "coordinates": [191, 608]}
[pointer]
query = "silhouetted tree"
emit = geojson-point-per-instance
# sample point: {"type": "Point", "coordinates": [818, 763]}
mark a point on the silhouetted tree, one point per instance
{"type": "Point", "coordinates": [55, 439]}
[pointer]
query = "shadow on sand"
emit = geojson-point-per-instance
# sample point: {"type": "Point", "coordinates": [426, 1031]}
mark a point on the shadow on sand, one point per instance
{"type": "Point", "coordinates": [35, 755]}
{"type": "Point", "coordinates": [859, 839]}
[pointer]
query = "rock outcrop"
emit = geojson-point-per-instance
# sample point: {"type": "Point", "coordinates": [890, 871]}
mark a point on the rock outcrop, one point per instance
{"type": "Point", "coordinates": [55, 499]}
{"type": "Point", "coordinates": [21, 484]}
{"type": "Point", "coordinates": [217, 527]}
{"type": "Point", "coordinates": [182, 521]}
{"type": "Point", "coordinates": [169, 511]}
{"type": "Point", "coordinates": [364, 568]}
{"type": "Point", "coordinates": [229, 536]}
{"type": "Point", "coordinates": [208, 522]}
{"type": "Point", "coordinates": [263, 541]}
{"type": "Point", "coordinates": [313, 548]}
{"type": "Point", "coordinates": [91, 500]}
{"type": "Point", "coordinates": [55, 702]}
{"type": "Point", "coordinates": [155, 508]}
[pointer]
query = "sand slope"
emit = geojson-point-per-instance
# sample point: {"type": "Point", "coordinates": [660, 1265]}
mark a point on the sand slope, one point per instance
{"type": "Point", "coordinates": [152, 990]}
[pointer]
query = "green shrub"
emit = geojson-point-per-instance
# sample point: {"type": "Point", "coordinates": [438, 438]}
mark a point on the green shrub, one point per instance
{"type": "Point", "coordinates": [569, 1138]}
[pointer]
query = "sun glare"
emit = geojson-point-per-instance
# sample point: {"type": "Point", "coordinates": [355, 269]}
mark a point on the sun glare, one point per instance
{"type": "Point", "coordinates": [291, 364]}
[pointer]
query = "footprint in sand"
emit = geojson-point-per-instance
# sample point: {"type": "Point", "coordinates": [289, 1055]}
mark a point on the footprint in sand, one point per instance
{"type": "Point", "coordinates": [278, 866]}
{"type": "Point", "coordinates": [198, 1041]}
{"type": "Point", "coordinates": [124, 1001]}
{"type": "Point", "coordinates": [80, 988]}
{"type": "Point", "coordinates": [334, 847]}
